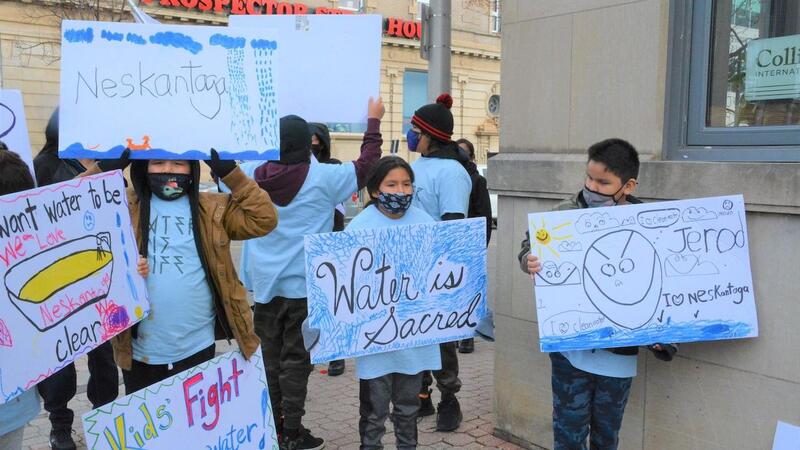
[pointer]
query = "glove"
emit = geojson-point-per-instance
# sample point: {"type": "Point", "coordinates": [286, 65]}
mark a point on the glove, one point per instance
{"type": "Point", "coordinates": [219, 167]}
{"type": "Point", "coordinates": [107, 165]}
{"type": "Point", "coordinates": [666, 353]}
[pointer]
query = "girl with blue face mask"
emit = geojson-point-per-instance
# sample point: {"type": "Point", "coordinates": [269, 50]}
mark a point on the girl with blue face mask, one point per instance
{"type": "Point", "coordinates": [393, 377]}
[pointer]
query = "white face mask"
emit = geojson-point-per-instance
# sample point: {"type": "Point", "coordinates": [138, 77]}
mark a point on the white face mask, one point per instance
{"type": "Point", "coordinates": [595, 199]}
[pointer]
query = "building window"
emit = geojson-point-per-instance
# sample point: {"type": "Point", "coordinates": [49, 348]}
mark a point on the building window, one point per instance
{"type": "Point", "coordinates": [415, 95]}
{"type": "Point", "coordinates": [737, 80]}
{"type": "Point", "coordinates": [493, 105]}
{"type": "Point", "coordinates": [494, 14]}
{"type": "Point", "coordinates": [352, 5]}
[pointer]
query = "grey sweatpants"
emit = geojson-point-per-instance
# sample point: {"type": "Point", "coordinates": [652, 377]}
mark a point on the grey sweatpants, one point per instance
{"type": "Point", "coordinates": [374, 397]}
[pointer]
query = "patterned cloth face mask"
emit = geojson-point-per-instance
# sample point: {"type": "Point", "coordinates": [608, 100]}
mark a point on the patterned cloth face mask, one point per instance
{"type": "Point", "coordinates": [169, 186]}
{"type": "Point", "coordinates": [395, 203]}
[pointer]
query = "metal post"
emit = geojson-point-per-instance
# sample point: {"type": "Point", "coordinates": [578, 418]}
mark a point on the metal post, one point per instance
{"type": "Point", "coordinates": [439, 48]}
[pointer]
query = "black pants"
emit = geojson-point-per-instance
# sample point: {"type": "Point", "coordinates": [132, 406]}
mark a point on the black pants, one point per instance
{"type": "Point", "coordinates": [447, 380]}
{"type": "Point", "coordinates": [288, 364]}
{"type": "Point", "coordinates": [60, 388]}
{"type": "Point", "coordinates": [374, 396]}
{"type": "Point", "coordinates": [142, 374]}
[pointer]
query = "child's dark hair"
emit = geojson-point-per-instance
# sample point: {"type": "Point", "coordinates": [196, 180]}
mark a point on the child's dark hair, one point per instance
{"type": "Point", "coordinates": [15, 175]}
{"type": "Point", "coordinates": [379, 172]}
{"type": "Point", "coordinates": [470, 147]}
{"type": "Point", "coordinates": [619, 156]}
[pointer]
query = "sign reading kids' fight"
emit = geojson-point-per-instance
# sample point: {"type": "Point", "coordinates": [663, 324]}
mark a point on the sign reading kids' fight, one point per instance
{"type": "Point", "coordinates": [221, 404]}
{"type": "Point", "coordinates": [167, 91]}
{"type": "Point", "coordinates": [68, 267]}
{"type": "Point", "coordinates": [384, 289]}
{"type": "Point", "coordinates": [641, 274]}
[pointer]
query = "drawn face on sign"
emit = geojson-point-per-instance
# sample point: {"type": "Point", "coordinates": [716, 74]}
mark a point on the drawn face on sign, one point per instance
{"type": "Point", "coordinates": [622, 277]}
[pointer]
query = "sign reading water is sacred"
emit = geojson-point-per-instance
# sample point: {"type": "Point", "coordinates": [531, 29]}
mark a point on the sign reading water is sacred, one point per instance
{"type": "Point", "coordinates": [68, 271]}
{"type": "Point", "coordinates": [643, 274]}
{"type": "Point", "coordinates": [167, 91]}
{"type": "Point", "coordinates": [383, 289]}
{"type": "Point", "coordinates": [220, 404]}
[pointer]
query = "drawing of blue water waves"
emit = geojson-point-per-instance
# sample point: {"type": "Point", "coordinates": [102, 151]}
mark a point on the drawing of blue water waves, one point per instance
{"type": "Point", "coordinates": [264, 52]}
{"type": "Point", "coordinates": [344, 337]}
{"type": "Point", "coordinates": [704, 330]}
{"type": "Point", "coordinates": [78, 150]}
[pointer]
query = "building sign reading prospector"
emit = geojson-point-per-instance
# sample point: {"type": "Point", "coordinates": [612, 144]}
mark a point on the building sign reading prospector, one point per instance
{"type": "Point", "coordinates": [773, 68]}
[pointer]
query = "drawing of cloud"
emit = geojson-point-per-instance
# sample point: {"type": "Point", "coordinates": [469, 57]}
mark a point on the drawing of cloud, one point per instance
{"type": "Point", "coordinates": [588, 223]}
{"type": "Point", "coordinates": [688, 266]}
{"type": "Point", "coordinates": [564, 274]}
{"type": "Point", "coordinates": [692, 214]}
{"type": "Point", "coordinates": [570, 246]}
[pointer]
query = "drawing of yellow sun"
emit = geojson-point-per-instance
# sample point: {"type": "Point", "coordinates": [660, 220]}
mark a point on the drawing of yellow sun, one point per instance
{"type": "Point", "coordinates": [544, 236]}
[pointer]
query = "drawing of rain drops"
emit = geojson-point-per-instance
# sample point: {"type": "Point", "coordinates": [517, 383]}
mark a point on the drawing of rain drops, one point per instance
{"type": "Point", "coordinates": [264, 51]}
{"type": "Point", "coordinates": [241, 120]}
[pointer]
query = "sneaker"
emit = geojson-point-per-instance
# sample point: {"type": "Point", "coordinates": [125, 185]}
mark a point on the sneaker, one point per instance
{"type": "Point", "coordinates": [336, 368]}
{"type": "Point", "coordinates": [425, 404]}
{"type": "Point", "coordinates": [61, 439]}
{"type": "Point", "coordinates": [449, 415]}
{"type": "Point", "coordinates": [304, 441]}
{"type": "Point", "coordinates": [466, 346]}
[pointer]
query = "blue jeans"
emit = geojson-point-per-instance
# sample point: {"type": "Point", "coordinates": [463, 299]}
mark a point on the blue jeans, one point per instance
{"type": "Point", "coordinates": [584, 401]}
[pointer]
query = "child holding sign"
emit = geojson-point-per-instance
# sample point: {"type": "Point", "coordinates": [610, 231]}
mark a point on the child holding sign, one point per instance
{"type": "Point", "coordinates": [591, 387]}
{"type": "Point", "coordinates": [392, 376]}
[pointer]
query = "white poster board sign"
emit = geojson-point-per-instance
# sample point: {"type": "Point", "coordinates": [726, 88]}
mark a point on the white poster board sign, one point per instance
{"type": "Point", "coordinates": [641, 274]}
{"type": "Point", "coordinates": [328, 65]}
{"type": "Point", "coordinates": [68, 267]}
{"type": "Point", "coordinates": [13, 129]}
{"type": "Point", "coordinates": [383, 289]}
{"type": "Point", "coordinates": [220, 404]}
{"type": "Point", "coordinates": [167, 91]}
{"type": "Point", "coordinates": [773, 68]}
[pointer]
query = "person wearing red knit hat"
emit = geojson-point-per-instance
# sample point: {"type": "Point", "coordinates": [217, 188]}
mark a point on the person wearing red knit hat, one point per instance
{"type": "Point", "coordinates": [441, 188]}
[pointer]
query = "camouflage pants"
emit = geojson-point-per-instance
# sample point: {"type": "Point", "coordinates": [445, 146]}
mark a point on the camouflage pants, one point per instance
{"type": "Point", "coordinates": [583, 401]}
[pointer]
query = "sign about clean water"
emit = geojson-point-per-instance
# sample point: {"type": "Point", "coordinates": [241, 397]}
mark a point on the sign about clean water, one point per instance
{"type": "Point", "coordinates": [220, 404]}
{"type": "Point", "coordinates": [167, 91]}
{"type": "Point", "coordinates": [383, 289]}
{"type": "Point", "coordinates": [773, 68]}
{"type": "Point", "coordinates": [641, 274]}
{"type": "Point", "coordinates": [68, 267]}
{"type": "Point", "coordinates": [13, 130]}
{"type": "Point", "coordinates": [328, 65]}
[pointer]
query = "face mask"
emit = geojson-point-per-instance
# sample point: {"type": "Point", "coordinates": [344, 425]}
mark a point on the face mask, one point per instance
{"type": "Point", "coordinates": [596, 199]}
{"type": "Point", "coordinates": [413, 139]}
{"type": "Point", "coordinates": [395, 203]}
{"type": "Point", "coordinates": [315, 149]}
{"type": "Point", "coordinates": [169, 186]}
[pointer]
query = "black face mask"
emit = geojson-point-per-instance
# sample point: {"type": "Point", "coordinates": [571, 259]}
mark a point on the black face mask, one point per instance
{"type": "Point", "coordinates": [169, 186]}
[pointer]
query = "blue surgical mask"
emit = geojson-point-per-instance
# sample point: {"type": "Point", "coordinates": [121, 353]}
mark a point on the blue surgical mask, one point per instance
{"type": "Point", "coordinates": [395, 203]}
{"type": "Point", "coordinates": [595, 199]}
{"type": "Point", "coordinates": [413, 139]}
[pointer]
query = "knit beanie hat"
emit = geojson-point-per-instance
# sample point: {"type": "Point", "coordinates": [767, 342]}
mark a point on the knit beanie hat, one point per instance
{"type": "Point", "coordinates": [295, 140]}
{"type": "Point", "coordinates": [436, 119]}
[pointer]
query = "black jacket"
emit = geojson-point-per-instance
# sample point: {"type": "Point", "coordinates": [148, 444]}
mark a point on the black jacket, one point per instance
{"type": "Point", "coordinates": [480, 204]}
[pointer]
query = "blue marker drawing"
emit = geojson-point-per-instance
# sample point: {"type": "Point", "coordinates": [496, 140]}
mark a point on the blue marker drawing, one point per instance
{"type": "Point", "coordinates": [177, 40]}
{"type": "Point", "coordinates": [241, 119]}
{"type": "Point", "coordinates": [111, 36]}
{"type": "Point", "coordinates": [264, 52]}
{"type": "Point", "coordinates": [135, 39]}
{"type": "Point", "coordinates": [75, 36]}
{"type": "Point", "coordinates": [227, 42]}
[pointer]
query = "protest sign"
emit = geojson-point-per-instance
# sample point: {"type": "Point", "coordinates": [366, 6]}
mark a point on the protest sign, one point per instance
{"type": "Point", "coordinates": [328, 65]}
{"type": "Point", "coordinates": [13, 129]}
{"type": "Point", "coordinates": [640, 274]}
{"type": "Point", "coordinates": [221, 404]}
{"type": "Point", "coordinates": [167, 91]}
{"type": "Point", "coordinates": [68, 266]}
{"type": "Point", "coordinates": [384, 289]}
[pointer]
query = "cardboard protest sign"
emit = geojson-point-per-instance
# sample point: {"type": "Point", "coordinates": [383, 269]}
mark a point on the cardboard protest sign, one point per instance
{"type": "Point", "coordinates": [640, 274]}
{"type": "Point", "coordinates": [328, 65]}
{"type": "Point", "coordinates": [220, 404]}
{"type": "Point", "coordinates": [13, 129]}
{"type": "Point", "coordinates": [167, 91]}
{"type": "Point", "coordinates": [68, 267]}
{"type": "Point", "coordinates": [384, 289]}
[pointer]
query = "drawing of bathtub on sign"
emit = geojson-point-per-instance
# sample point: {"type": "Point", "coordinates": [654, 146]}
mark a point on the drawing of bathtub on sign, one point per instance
{"type": "Point", "coordinates": [52, 285]}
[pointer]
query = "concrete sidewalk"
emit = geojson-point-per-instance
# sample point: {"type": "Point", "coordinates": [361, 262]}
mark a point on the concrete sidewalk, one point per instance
{"type": "Point", "coordinates": [332, 409]}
